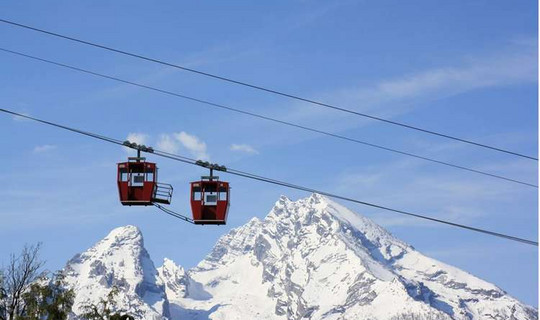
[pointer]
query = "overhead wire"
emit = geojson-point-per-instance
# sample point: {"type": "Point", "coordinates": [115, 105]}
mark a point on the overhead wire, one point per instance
{"type": "Point", "coordinates": [277, 182]}
{"type": "Point", "coordinates": [272, 91]}
{"type": "Point", "coordinates": [263, 117]}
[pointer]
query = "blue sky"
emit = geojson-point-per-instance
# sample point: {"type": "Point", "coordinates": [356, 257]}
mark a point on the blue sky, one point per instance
{"type": "Point", "coordinates": [464, 68]}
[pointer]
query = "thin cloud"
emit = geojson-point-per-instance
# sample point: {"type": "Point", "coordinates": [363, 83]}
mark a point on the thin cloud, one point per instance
{"type": "Point", "coordinates": [503, 69]}
{"type": "Point", "coordinates": [404, 93]}
{"type": "Point", "coordinates": [244, 148]}
{"type": "Point", "coordinates": [406, 185]}
{"type": "Point", "coordinates": [44, 148]}
{"type": "Point", "coordinates": [19, 118]}
{"type": "Point", "coordinates": [492, 72]}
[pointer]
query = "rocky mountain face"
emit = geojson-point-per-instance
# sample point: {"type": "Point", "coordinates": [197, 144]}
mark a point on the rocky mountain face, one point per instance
{"type": "Point", "coordinates": [308, 259]}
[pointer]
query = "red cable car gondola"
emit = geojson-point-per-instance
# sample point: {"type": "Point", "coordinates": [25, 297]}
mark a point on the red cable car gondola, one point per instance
{"type": "Point", "coordinates": [210, 199]}
{"type": "Point", "coordinates": [138, 184]}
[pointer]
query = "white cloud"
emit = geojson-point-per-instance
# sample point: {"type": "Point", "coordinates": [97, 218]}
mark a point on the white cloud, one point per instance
{"type": "Point", "coordinates": [44, 148]}
{"type": "Point", "coordinates": [137, 137]}
{"type": "Point", "coordinates": [244, 148]}
{"type": "Point", "coordinates": [174, 142]}
{"type": "Point", "coordinates": [194, 145]}
{"type": "Point", "coordinates": [167, 143]}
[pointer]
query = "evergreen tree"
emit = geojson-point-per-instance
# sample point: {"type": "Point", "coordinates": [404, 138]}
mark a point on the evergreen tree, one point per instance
{"type": "Point", "coordinates": [47, 299]}
{"type": "Point", "coordinates": [105, 309]}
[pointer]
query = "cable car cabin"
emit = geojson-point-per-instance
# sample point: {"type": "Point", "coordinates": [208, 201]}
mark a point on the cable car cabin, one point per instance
{"type": "Point", "coordinates": [138, 186]}
{"type": "Point", "coordinates": [210, 201]}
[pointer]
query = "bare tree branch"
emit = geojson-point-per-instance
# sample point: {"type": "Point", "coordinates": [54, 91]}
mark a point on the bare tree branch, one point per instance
{"type": "Point", "coordinates": [19, 274]}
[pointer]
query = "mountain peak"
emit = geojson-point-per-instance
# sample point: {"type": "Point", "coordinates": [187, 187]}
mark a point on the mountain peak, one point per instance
{"type": "Point", "coordinates": [125, 233]}
{"type": "Point", "coordinates": [170, 265]}
{"type": "Point", "coordinates": [284, 204]}
{"type": "Point", "coordinates": [128, 229]}
{"type": "Point", "coordinates": [118, 260]}
{"type": "Point", "coordinates": [283, 198]}
{"type": "Point", "coordinates": [313, 247]}
{"type": "Point", "coordinates": [168, 262]}
{"type": "Point", "coordinates": [174, 278]}
{"type": "Point", "coordinates": [317, 197]}
{"type": "Point", "coordinates": [318, 209]}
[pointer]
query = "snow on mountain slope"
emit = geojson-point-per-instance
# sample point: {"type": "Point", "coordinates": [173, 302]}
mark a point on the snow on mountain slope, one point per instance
{"type": "Point", "coordinates": [118, 260]}
{"type": "Point", "coordinates": [308, 259]}
{"type": "Point", "coordinates": [315, 259]}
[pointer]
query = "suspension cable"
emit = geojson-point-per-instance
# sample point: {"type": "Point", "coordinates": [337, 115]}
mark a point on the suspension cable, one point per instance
{"type": "Point", "coordinates": [275, 182]}
{"type": "Point", "coordinates": [174, 214]}
{"type": "Point", "coordinates": [272, 91]}
{"type": "Point", "coordinates": [252, 114]}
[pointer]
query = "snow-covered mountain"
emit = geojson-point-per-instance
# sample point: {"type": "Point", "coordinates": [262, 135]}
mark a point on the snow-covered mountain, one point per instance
{"type": "Point", "coordinates": [308, 259]}
{"type": "Point", "coordinates": [119, 260]}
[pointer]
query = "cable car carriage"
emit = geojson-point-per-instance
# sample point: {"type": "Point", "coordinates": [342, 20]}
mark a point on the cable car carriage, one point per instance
{"type": "Point", "coordinates": [210, 199]}
{"type": "Point", "coordinates": [138, 184]}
